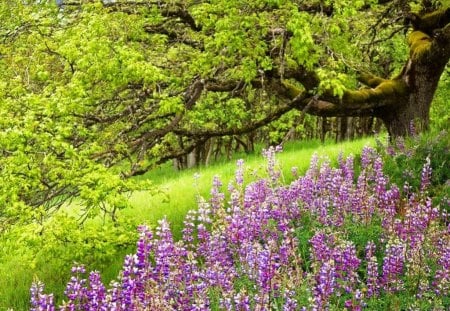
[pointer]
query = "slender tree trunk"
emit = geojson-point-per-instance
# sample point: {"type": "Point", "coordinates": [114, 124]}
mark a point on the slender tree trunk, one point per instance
{"type": "Point", "coordinates": [351, 128]}
{"type": "Point", "coordinates": [341, 129]}
{"type": "Point", "coordinates": [323, 129]}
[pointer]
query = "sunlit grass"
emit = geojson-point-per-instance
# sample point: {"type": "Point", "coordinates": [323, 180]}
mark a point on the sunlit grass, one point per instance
{"type": "Point", "coordinates": [180, 188]}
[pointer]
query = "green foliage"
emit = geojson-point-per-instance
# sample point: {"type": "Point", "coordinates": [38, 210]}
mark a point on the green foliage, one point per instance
{"type": "Point", "coordinates": [401, 302]}
{"type": "Point", "coordinates": [306, 229]}
{"type": "Point", "coordinates": [439, 114]}
{"type": "Point", "coordinates": [48, 251]}
{"type": "Point", "coordinates": [361, 235]}
{"type": "Point", "coordinates": [331, 81]}
{"type": "Point", "coordinates": [305, 52]}
{"type": "Point", "coordinates": [93, 243]}
{"type": "Point", "coordinates": [278, 129]}
{"type": "Point", "coordinates": [405, 158]}
{"type": "Point", "coordinates": [230, 112]}
{"type": "Point", "coordinates": [48, 153]}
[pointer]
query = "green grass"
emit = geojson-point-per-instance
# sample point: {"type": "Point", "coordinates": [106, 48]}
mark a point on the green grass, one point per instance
{"type": "Point", "coordinates": [179, 192]}
{"type": "Point", "coordinates": [180, 188]}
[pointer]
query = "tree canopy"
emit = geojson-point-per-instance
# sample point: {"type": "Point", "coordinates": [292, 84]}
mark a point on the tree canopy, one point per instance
{"type": "Point", "coordinates": [93, 92]}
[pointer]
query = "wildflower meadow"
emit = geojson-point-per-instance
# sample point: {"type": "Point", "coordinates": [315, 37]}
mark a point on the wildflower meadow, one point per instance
{"type": "Point", "coordinates": [336, 238]}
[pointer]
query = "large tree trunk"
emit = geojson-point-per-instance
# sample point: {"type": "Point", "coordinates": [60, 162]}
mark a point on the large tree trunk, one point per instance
{"type": "Point", "coordinates": [413, 108]}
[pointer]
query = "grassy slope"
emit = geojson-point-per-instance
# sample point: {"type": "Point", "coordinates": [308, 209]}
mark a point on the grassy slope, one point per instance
{"type": "Point", "coordinates": [181, 188]}
{"type": "Point", "coordinates": [179, 195]}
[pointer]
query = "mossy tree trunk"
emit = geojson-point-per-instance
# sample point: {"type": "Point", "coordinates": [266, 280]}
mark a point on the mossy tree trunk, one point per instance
{"type": "Point", "coordinates": [403, 100]}
{"type": "Point", "coordinates": [422, 76]}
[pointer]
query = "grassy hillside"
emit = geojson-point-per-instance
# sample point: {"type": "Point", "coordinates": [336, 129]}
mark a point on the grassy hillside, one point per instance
{"type": "Point", "coordinates": [339, 238]}
{"type": "Point", "coordinates": [180, 189]}
{"type": "Point", "coordinates": [23, 258]}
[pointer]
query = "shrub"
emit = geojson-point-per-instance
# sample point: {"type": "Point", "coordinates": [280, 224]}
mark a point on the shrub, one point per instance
{"type": "Point", "coordinates": [246, 250]}
{"type": "Point", "coordinates": [405, 158]}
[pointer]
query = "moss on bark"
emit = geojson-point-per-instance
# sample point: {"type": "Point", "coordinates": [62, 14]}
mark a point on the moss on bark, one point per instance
{"type": "Point", "coordinates": [291, 90]}
{"type": "Point", "coordinates": [385, 89]}
{"type": "Point", "coordinates": [370, 80]}
{"type": "Point", "coordinates": [419, 43]}
{"type": "Point", "coordinates": [427, 23]}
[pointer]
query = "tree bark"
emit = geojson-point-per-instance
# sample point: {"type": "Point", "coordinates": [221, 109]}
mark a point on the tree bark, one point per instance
{"type": "Point", "coordinates": [422, 74]}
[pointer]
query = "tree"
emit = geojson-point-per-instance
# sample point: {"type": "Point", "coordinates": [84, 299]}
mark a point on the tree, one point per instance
{"type": "Point", "coordinates": [93, 88]}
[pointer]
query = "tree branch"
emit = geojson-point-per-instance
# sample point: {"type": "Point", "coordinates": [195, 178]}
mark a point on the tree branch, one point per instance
{"type": "Point", "coordinates": [167, 10]}
{"type": "Point", "coordinates": [370, 80]}
{"type": "Point", "coordinates": [280, 111]}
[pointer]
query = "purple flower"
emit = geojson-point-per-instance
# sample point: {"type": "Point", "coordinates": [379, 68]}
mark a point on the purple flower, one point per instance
{"type": "Point", "coordinates": [441, 281]}
{"type": "Point", "coordinates": [426, 175]}
{"type": "Point", "coordinates": [96, 293]}
{"type": "Point", "coordinates": [189, 229]}
{"type": "Point", "coordinates": [325, 284]}
{"type": "Point", "coordinates": [321, 246]}
{"type": "Point", "coordinates": [367, 156]}
{"type": "Point", "coordinates": [372, 270]}
{"type": "Point", "coordinates": [40, 301]}
{"type": "Point", "coordinates": [76, 290]}
{"type": "Point", "coordinates": [269, 155]}
{"type": "Point", "coordinates": [217, 197]}
{"type": "Point", "coordinates": [290, 303]}
{"type": "Point", "coordinates": [239, 176]}
{"type": "Point", "coordinates": [242, 302]}
{"type": "Point", "coordinates": [393, 267]}
{"type": "Point", "coordinates": [347, 263]}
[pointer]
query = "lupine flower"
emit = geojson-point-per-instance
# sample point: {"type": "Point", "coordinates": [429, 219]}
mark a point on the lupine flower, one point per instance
{"type": "Point", "coordinates": [39, 300]}
{"type": "Point", "coordinates": [347, 263]}
{"type": "Point", "coordinates": [372, 270]}
{"type": "Point", "coordinates": [441, 281]}
{"type": "Point", "coordinates": [354, 304]}
{"type": "Point", "coordinates": [217, 197]}
{"type": "Point", "coordinates": [290, 304]}
{"type": "Point", "coordinates": [76, 290]}
{"type": "Point", "coordinates": [242, 302]}
{"type": "Point", "coordinates": [240, 172]}
{"type": "Point", "coordinates": [189, 228]}
{"type": "Point", "coordinates": [400, 144]}
{"type": "Point", "coordinates": [269, 155]}
{"type": "Point", "coordinates": [321, 246]}
{"type": "Point", "coordinates": [393, 266]}
{"type": "Point", "coordinates": [366, 157]}
{"type": "Point", "coordinates": [96, 293]}
{"type": "Point", "coordinates": [325, 284]}
{"type": "Point", "coordinates": [426, 175]}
